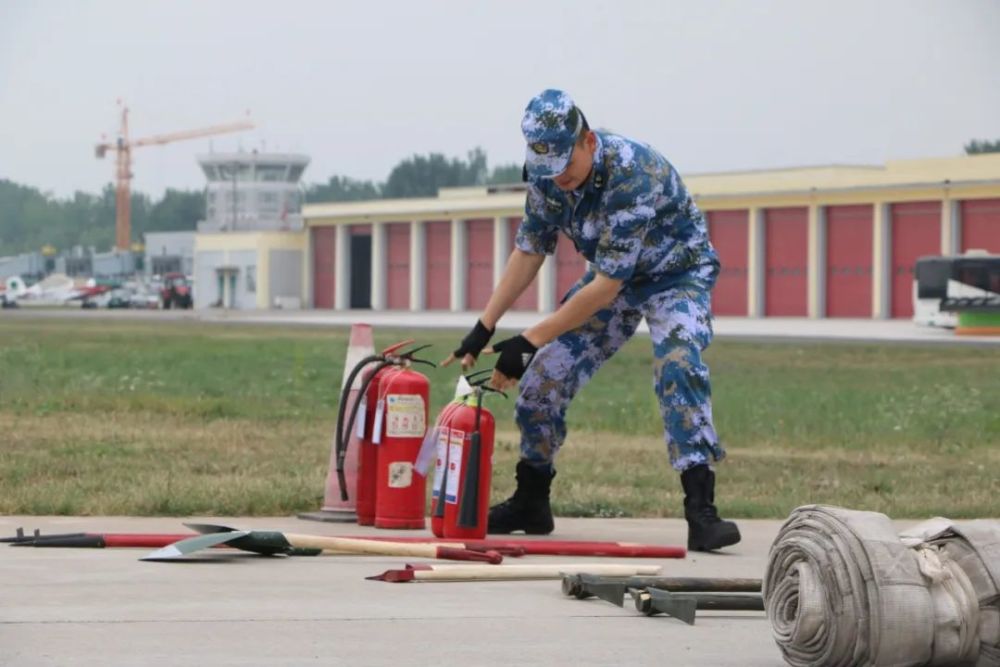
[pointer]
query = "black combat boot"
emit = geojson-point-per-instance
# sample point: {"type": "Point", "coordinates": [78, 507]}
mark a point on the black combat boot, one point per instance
{"type": "Point", "coordinates": [706, 531]}
{"type": "Point", "coordinates": [528, 509]}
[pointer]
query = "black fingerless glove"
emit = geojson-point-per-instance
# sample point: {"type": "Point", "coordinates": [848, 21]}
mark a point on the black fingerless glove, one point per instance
{"type": "Point", "coordinates": [515, 356]}
{"type": "Point", "coordinates": [475, 342]}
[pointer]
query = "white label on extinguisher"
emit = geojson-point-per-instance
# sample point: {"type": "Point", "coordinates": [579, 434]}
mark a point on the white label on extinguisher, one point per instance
{"type": "Point", "coordinates": [377, 424]}
{"type": "Point", "coordinates": [454, 466]}
{"type": "Point", "coordinates": [442, 452]}
{"type": "Point", "coordinates": [405, 416]}
{"type": "Point", "coordinates": [400, 474]}
{"type": "Point", "coordinates": [359, 420]}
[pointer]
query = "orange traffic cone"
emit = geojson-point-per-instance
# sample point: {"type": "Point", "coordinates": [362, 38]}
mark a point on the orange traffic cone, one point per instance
{"type": "Point", "coordinates": [335, 509]}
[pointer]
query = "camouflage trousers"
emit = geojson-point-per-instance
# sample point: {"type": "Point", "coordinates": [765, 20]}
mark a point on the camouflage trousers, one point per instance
{"type": "Point", "coordinates": [680, 327]}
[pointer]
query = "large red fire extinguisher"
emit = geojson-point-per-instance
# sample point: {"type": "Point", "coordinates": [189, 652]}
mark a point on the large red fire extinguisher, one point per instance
{"type": "Point", "coordinates": [366, 420]}
{"type": "Point", "coordinates": [368, 454]}
{"type": "Point", "coordinates": [400, 424]}
{"type": "Point", "coordinates": [464, 471]}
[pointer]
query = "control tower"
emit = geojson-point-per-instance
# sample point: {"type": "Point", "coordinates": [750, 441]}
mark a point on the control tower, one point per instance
{"type": "Point", "coordinates": [252, 191]}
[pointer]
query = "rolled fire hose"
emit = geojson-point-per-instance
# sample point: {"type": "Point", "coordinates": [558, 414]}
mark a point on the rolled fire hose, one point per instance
{"type": "Point", "coordinates": [842, 588]}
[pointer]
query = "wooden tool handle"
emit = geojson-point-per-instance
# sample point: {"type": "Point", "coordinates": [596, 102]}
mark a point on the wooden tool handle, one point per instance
{"type": "Point", "coordinates": [385, 548]}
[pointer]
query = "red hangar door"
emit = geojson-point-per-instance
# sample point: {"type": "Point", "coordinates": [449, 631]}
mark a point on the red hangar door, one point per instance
{"type": "Point", "coordinates": [479, 263]}
{"type": "Point", "coordinates": [849, 260]}
{"type": "Point", "coordinates": [916, 231]}
{"type": "Point", "coordinates": [529, 298]}
{"type": "Point", "coordinates": [324, 241]}
{"type": "Point", "coordinates": [786, 280]}
{"type": "Point", "coordinates": [437, 282]}
{"type": "Point", "coordinates": [397, 280]}
{"type": "Point", "coordinates": [728, 231]}
{"type": "Point", "coordinates": [981, 225]}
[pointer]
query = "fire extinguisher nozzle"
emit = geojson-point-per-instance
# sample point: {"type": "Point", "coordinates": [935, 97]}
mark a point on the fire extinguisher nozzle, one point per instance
{"type": "Point", "coordinates": [468, 510]}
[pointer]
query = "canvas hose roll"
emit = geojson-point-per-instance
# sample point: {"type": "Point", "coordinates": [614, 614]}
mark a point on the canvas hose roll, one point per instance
{"type": "Point", "coordinates": [843, 588]}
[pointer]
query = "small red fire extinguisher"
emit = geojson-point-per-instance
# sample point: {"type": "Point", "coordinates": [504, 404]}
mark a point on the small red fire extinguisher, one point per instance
{"type": "Point", "coordinates": [398, 432]}
{"type": "Point", "coordinates": [465, 453]}
{"type": "Point", "coordinates": [442, 436]}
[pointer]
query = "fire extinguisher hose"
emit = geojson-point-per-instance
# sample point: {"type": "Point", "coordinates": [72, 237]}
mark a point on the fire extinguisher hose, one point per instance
{"type": "Point", "coordinates": [348, 426]}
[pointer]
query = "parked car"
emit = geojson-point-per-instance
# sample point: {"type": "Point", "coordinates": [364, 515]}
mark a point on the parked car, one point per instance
{"type": "Point", "coordinates": [119, 298]}
{"type": "Point", "coordinates": [144, 299]}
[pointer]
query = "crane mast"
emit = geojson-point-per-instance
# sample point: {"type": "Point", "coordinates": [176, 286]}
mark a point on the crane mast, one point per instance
{"type": "Point", "coordinates": [123, 146]}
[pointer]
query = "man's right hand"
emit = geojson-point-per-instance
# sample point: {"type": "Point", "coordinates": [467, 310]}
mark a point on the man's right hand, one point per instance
{"type": "Point", "coordinates": [471, 346]}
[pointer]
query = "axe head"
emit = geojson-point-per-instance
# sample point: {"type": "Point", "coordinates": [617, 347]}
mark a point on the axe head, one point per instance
{"type": "Point", "coordinates": [651, 601]}
{"type": "Point", "coordinates": [608, 589]}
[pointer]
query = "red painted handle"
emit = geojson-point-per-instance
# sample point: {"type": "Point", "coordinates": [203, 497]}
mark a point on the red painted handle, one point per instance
{"type": "Point", "coordinates": [392, 348]}
{"type": "Point", "coordinates": [452, 553]}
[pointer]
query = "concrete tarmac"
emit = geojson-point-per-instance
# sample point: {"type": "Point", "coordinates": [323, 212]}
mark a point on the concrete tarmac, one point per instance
{"type": "Point", "coordinates": [104, 607]}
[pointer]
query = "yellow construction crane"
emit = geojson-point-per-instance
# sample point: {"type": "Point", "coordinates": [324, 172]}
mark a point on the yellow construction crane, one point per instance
{"type": "Point", "coordinates": [123, 169]}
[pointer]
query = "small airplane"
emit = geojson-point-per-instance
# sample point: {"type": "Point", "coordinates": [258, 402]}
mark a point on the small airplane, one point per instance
{"type": "Point", "coordinates": [55, 290]}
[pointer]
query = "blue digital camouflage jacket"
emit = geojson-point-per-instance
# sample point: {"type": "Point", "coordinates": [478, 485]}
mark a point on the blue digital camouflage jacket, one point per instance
{"type": "Point", "coordinates": [633, 220]}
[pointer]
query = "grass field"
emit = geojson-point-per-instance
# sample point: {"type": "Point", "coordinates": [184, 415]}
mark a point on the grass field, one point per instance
{"type": "Point", "coordinates": [182, 418]}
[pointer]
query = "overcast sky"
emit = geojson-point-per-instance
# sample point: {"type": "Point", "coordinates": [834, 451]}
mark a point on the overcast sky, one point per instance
{"type": "Point", "coordinates": [715, 85]}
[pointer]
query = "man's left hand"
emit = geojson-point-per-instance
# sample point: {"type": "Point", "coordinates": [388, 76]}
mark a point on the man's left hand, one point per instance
{"type": "Point", "coordinates": [515, 356]}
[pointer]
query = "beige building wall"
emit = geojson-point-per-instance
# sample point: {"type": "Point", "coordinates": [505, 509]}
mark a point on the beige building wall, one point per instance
{"type": "Point", "coordinates": [230, 244]}
{"type": "Point", "coordinates": [948, 180]}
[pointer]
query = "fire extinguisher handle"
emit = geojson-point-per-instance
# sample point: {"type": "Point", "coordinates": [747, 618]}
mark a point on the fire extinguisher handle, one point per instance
{"type": "Point", "coordinates": [482, 384]}
{"type": "Point", "coordinates": [453, 553]}
{"type": "Point", "coordinates": [393, 348]}
{"type": "Point", "coordinates": [408, 355]}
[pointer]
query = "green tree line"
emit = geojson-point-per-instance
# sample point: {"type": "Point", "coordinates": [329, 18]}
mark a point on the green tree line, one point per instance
{"type": "Point", "coordinates": [418, 176]}
{"type": "Point", "coordinates": [976, 146]}
{"type": "Point", "coordinates": [31, 218]}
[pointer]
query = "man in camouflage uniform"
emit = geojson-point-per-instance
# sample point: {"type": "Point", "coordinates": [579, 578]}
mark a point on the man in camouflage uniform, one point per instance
{"type": "Point", "coordinates": [628, 213]}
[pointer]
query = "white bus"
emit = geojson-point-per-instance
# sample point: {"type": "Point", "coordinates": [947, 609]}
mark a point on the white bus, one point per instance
{"type": "Point", "coordinates": [944, 286]}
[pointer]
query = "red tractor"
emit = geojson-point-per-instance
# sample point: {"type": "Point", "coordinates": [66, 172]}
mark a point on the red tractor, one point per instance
{"type": "Point", "coordinates": [176, 291]}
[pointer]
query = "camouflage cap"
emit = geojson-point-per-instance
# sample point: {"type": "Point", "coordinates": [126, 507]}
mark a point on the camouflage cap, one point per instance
{"type": "Point", "coordinates": [551, 125]}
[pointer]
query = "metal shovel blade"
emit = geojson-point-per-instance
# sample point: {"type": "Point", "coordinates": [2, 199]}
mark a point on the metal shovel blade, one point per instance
{"type": "Point", "coordinates": [209, 528]}
{"type": "Point", "coordinates": [264, 542]}
{"type": "Point", "coordinates": [178, 550]}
